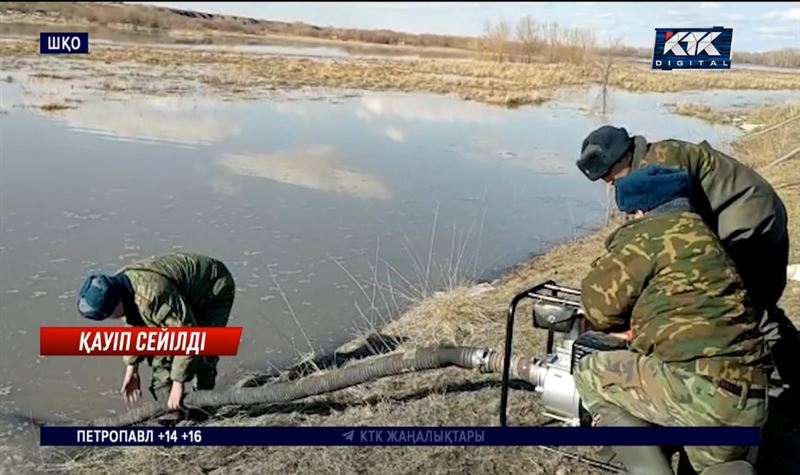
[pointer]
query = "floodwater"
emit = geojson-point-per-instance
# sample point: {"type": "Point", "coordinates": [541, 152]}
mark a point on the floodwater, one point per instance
{"type": "Point", "coordinates": [309, 202]}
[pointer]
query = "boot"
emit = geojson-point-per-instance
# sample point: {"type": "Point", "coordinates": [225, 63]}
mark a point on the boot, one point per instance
{"type": "Point", "coordinates": [736, 467]}
{"type": "Point", "coordinates": [642, 460]}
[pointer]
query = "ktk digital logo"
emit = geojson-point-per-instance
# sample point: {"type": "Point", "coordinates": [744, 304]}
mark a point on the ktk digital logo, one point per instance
{"type": "Point", "coordinates": [693, 48]}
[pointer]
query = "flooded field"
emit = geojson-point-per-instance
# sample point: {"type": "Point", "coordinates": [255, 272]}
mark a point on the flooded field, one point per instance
{"type": "Point", "coordinates": [334, 213]}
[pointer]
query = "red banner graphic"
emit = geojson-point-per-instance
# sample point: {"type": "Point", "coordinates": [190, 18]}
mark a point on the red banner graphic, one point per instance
{"type": "Point", "coordinates": [141, 341]}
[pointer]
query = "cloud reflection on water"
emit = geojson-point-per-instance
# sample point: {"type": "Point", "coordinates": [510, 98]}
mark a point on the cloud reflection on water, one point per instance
{"type": "Point", "coordinates": [316, 168]}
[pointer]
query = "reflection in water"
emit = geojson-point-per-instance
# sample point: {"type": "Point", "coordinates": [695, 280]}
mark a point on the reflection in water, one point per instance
{"type": "Point", "coordinates": [396, 134]}
{"type": "Point", "coordinates": [150, 120]}
{"type": "Point", "coordinates": [315, 168]}
{"type": "Point", "coordinates": [439, 109]}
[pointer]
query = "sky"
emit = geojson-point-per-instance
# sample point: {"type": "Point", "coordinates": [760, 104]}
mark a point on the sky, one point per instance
{"type": "Point", "coordinates": [757, 26]}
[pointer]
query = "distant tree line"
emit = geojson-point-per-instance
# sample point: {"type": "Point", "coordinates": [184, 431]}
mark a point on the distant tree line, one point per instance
{"type": "Point", "coordinates": [530, 40]}
{"type": "Point", "coordinates": [785, 58]}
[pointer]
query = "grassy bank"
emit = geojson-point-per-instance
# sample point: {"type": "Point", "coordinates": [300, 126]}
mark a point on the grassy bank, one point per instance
{"type": "Point", "coordinates": [440, 398]}
{"type": "Point", "coordinates": [145, 69]}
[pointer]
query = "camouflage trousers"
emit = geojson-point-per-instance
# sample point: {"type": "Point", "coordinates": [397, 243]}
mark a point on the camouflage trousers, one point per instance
{"type": "Point", "coordinates": [204, 368]}
{"type": "Point", "coordinates": [661, 394]}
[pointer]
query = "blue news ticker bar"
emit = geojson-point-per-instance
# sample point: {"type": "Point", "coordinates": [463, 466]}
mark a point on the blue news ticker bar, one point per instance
{"type": "Point", "coordinates": [399, 436]}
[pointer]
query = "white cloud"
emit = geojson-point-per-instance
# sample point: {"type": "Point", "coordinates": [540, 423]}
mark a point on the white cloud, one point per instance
{"type": "Point", "coordinates": [771, 36]}
{"type": "Point", "coordinates": [775, 29]}
{"type": "Point", "coordinates": [734, 16]}
{"type": "Point", "coordinates": [792, 14]}
{"type": "Point", "coordinates": [316, 168]}
{"type": "Point", "coordinates": [291, 108]}
{"type": "Point", "coordinates": [426, 109]}
{"type": "Point", "coordinates": [154, 120]}
{"type": "Point", "coordinates": [604, 15]}
{"type": "Point", "coordinates": [401, 5]}
{"type": "Point", "coordinates": [398, 135]}
{"type": "Point", "coordinates": [677, 13]}
{"type": "Point", "coordinates": [710, 5]}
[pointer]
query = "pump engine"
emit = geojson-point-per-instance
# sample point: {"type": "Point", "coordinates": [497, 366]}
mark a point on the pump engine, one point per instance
{"type": "Point", "coordinates": [557, 310]}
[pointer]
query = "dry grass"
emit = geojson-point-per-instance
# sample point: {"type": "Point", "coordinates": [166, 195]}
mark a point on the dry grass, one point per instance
{"type": "Point", "coordinates": [510, 84]}
{"type": "Point", "coordinates": [54, 106]}
{"type": "Point", "coordinates": [704, 112]}
{"type": "Point", "coordinates": [760, 150]}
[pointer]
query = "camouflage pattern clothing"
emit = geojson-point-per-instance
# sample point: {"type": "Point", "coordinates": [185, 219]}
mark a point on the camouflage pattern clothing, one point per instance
{"type": "Point", "coordinates": [659, 393]}
{"type": "Point", "coordinates": [668, 278]}
{"type": "Point", "coordinates": [179, 290]}
{"type": "Point", "coordinates": [738, 204]}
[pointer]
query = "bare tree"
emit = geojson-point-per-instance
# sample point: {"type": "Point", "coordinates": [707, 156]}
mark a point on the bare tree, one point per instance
{"type": "Point", "coordinates": [528, 37]}
{"type": "Point", "coordinates": [497, 37]}
{"type": "Point", "coordinates": [605, 68]}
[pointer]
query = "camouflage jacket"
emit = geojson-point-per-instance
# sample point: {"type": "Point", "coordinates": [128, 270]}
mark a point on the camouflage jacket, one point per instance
{"type": "Point", "coordinates": [735, 201]}
{"type": "Point", "coordinates": [173, 290]}
{"type": "Point", "coordinates": [668, 278]}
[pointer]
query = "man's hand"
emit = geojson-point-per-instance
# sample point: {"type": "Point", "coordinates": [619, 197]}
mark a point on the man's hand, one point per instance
{"type": "Point", "coordinates": [175, 395]}
{"type": "Point", "coordinates": [131, 389]}
{"type": "Point", "coordinates": [627, 336]}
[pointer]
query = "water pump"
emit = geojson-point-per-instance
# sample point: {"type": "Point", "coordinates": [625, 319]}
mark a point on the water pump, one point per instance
{"type": "Point", "coordinates": [556, 309]}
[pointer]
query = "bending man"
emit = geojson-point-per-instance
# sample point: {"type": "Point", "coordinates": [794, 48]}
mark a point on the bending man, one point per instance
{"type": "Point", "coordinates": [169, 290]}
{"type": "Point", "coordinates": [737, 203]}
{"type": "Point", "coordinates": [695, 355]}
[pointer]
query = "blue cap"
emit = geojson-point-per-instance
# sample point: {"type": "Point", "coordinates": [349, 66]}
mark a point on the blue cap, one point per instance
{"type": "Point", "coordinates": [99, 296]}
{"type": "Point", "coordinates": [651, 187]}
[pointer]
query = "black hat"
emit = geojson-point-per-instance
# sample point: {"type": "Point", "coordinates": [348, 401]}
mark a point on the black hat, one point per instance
{"type": "Point", "coordinates": [602, 149]}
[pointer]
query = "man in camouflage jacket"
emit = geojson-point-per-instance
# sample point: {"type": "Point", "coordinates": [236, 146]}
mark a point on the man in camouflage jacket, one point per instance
{"type": "Point", "coordinates": [170, 290]}
{"type": "Point", "coordinates": [737, 203]}
{"type": "Point", "coordinates": [695, 355]}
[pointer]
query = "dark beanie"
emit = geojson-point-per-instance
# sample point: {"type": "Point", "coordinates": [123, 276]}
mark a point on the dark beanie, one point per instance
{"type": "Point", "coordinates": [650, 188]}
{"type": "Point", "coordinates": [99, 296]}
{"type": "Point", "coordinates": [601, 149]}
